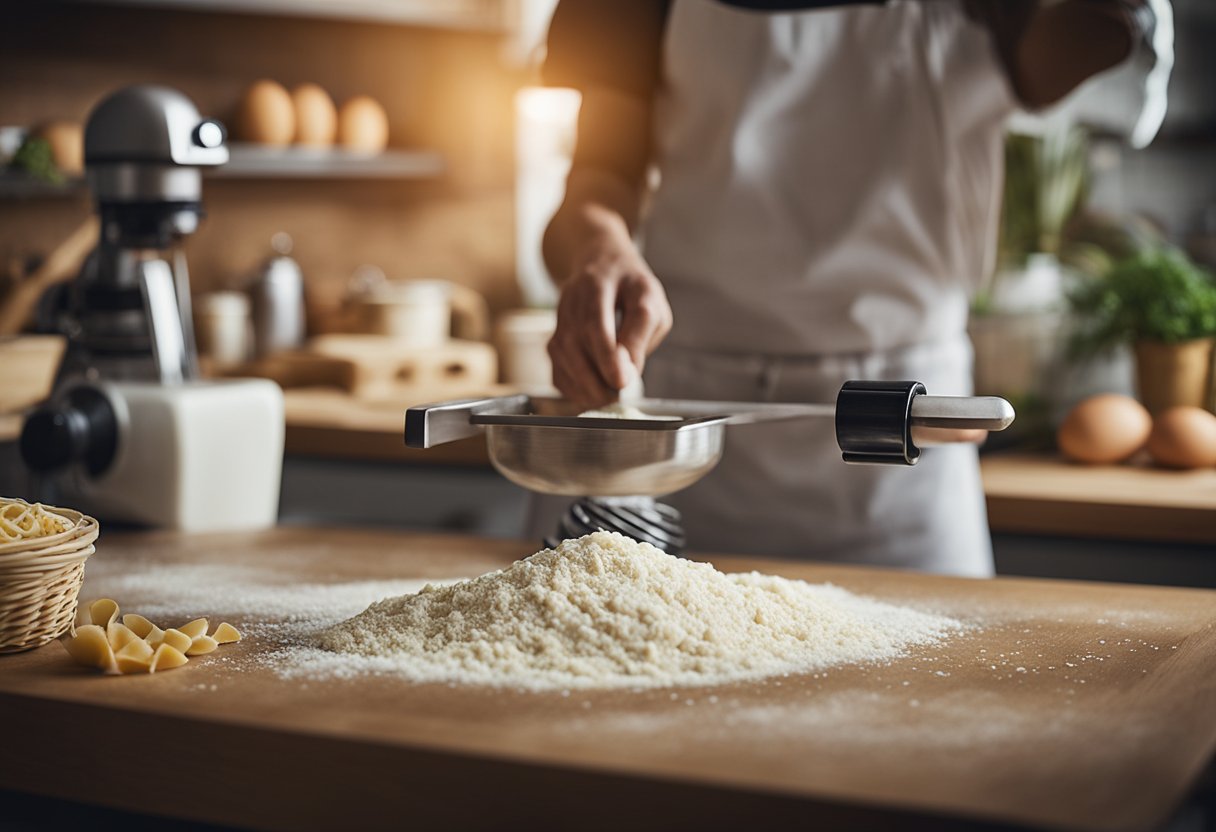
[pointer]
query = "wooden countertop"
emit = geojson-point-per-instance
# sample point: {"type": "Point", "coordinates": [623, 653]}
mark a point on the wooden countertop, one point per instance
{"type": "Point", "coordinates": [1069, 705]}
{"type": "Point", "coordinates": [1047, 495]}
{"type": "Point", "coordinates": [328, 423]}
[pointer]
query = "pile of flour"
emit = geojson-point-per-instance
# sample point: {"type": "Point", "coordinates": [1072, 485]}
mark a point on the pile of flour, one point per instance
{"type": "Point", "coordinates": [605, 611]}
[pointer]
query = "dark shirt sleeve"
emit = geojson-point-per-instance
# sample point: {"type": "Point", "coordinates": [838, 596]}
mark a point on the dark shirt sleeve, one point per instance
{"type": "Point", "coordinates": [606, 43]}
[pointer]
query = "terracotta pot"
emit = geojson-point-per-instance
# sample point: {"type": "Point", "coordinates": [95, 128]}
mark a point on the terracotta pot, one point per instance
{"type": "Point", "coordinates": [1174, 374]}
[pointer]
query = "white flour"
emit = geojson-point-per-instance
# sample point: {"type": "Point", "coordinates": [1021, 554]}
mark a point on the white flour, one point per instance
{"type": "Point", "coordinates": [619, 410]}
{"type": "Point", "coordinates": [262, 602]}
{"type": "Point", "coordinates": [604, 611]}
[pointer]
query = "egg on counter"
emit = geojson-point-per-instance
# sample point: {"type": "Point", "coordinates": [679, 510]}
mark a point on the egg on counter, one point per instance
{"type": "Point", "coordinates": [267, 114]}
{"type": "Point", "coordinates": [316, 116]}
{"type": "Point", "coordinates": [1183, 437]}
{"type": "Point", "coordinates": [363, 125]}
{"type": "Point", "coordinates": [1104, 429]}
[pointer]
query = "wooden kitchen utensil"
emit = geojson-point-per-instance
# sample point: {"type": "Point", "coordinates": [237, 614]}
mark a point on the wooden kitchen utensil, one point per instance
{"type": "Point", "coordinates": [62, 263]}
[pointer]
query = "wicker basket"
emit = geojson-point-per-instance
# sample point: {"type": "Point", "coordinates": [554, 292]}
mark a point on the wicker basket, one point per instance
{"type": "Point", "coordinates": [39, 582]}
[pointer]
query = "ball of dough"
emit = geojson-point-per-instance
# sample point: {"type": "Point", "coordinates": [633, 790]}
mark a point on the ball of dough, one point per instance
{"type": "Point", "coordinates": [66, 139]}
{"type": "Point", "coordinates": [363, 125]}
{"type": "Point", "coordinates": [267, 114]}
{"type": "Point", "coordinates": [316, 116]}
{"type": "Point", "coordinates": [1104, 429]}
{"type": "Point", "coordinates": [1183, 437]}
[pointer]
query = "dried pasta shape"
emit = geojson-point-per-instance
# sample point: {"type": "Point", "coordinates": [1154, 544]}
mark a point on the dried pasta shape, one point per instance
{"type": "Point", "coordinates": [177, 640]}
{"type": "Point", "coordinates": [91, 648]}
{"type": "Point", "coordinates": [128, 666]}
{"type": "Point", "coordinates": [202, 645]}
{"type": "Point", "coordinates": [156, 637]}
{"type": "Point", "coordinates": [167, 658]}
{"type": "Point", "coordinates": [196, 628]}
{"type": "Point", "coordinates": [138, 624]}
{"type": "Point", "coordinates": [226, 634]}
{"type": "Point", "coordinates": [120, 635]}
{"type": "Point", "coordinates": [103, 612]}
{"type": "Point", "coordinates": [135, 657]}
{"type": "Point", "coordinates": [139, 649]}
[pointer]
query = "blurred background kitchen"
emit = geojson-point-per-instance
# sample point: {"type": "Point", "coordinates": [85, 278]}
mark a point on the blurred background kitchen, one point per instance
{"type": "Point", "coordinates": [373, 243]}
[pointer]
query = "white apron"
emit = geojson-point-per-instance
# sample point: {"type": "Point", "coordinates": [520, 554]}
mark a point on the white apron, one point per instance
{"type": "Point", "coordinates": [829, 194]}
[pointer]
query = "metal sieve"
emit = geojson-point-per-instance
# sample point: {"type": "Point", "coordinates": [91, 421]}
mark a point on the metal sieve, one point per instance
{"type": "Point", "coordinates": [543, 445]}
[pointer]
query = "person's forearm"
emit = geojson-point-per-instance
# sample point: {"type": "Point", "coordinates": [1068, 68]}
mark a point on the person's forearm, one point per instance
{"type": "Point", "coordinates": [1065, 44]}
{"type": "Point", "coordinates": [605, 186]}
{"type": "Point", "coordinates": [600, 209]}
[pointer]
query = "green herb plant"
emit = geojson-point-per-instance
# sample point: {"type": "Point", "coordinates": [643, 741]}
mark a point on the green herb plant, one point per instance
{"type": "Point", "coordinates": [1045, 182]}
{"type": "Point", "coordinates": [34, 156]}
{"type": "Point", "coordinates": [1157, 294]}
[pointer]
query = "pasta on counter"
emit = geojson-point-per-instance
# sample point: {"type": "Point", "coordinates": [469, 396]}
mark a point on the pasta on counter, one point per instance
{"type": "Point", "coordinates": [136, 645]}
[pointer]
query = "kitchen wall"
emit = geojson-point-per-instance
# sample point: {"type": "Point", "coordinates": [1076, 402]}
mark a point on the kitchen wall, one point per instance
{"type": "Point", "coordinates": [1173, 181]}
{"type": "Point", "coordinates": [446, 90]}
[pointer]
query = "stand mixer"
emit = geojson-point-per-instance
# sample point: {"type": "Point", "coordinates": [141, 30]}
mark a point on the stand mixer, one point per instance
{"type": "Point", "coordinates": [130, 433]}
{"type": "Point", "coordinates": [616, 467]}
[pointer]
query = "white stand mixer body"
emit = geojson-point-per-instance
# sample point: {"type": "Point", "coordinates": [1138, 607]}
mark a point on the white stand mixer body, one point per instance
{"type": "Point", "coordinates": [195, 457]}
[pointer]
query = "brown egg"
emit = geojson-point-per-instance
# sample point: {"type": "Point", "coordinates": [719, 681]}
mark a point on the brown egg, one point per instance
{"type": "Point", "coordinates": [363, 125]}
{"type": "Point", "coordinates": [1183, 437]}
{"type": "Point", "coordinates": [66, 139]}
{"type": "Point", "coordinates": [1103, 429]}
{"type": "Point", "coordinates": [267, 114]}
{"type": "Point", "coordinates": [316, 116]}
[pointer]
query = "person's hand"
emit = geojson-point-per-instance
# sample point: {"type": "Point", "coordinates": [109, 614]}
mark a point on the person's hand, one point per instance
{"type": "Point", "coordinates": [595, 357]}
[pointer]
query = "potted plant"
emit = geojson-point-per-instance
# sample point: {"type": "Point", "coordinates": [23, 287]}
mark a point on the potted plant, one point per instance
{"type": "Point", "coordinates": [1018, 314]}
{"type": "Point", "coordinates": [1162, 304]}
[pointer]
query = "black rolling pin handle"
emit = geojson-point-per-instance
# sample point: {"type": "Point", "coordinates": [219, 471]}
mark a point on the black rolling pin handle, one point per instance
{"type": "Point", "coordinates": [872, 422]}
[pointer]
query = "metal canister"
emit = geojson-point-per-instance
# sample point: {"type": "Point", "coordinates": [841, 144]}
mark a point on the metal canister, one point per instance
{"type": "Point", "coordinates": [278, 301]}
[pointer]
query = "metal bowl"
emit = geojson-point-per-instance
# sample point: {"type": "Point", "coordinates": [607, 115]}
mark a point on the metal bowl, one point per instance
{"type": "Point", "coordinates": [604, 457]}
{"type": "Point", "coordinates": [542, 444]}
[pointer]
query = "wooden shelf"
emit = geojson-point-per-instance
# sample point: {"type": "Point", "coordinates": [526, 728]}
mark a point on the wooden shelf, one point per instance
{"type": "Point", "coordinates": [251, 161]}
{"type": "Point", "coordinates": [18, 185]}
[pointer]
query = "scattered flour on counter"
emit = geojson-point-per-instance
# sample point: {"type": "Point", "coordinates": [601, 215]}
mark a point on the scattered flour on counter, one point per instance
{"type": "Point", "coordinates": [259, 600]}
{"type": "Point", "coordinates": [618, 410]}
{"type": "Point", "coordinates": [603, 611]}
